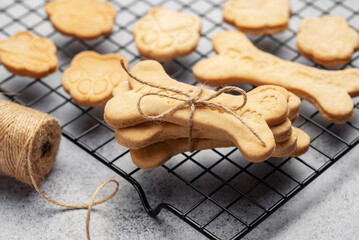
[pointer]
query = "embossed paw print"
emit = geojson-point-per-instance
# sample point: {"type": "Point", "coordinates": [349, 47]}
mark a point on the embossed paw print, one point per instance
{"type": "Point", "coordinates": [258, 16]}
{"type": "Point", "coordinates": [26, 54]}
{"type": "Point", "coordinates": [327, 40]}
{"type": "Point", "coordinates": [83, 19]}
{"type": "Point", "coordinates": [92, 77]}
{"type": "Point", "coordinates": [163, 34]}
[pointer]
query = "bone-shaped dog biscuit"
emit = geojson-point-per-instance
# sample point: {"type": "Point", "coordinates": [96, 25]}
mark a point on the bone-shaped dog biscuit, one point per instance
{"type": "Point", "coordinates": [293, 100]}
{"type": "Point", "coordinates": [267, 100]}
{"type": "Point", "coordinates": [163, 151]}
{"type": "Point", "coordinates": [294, 105]}
{"type": "Point", "coordinates": [26, 54]}
{"type": "Point", "coordinates": [122, 111]}
{"type": "Point", "coordinates": [283, 131]}
{"type": "Point", "coordinates": [286, 147]}
{"type": "Point", "coordinates": [149, 133]}
{"type": "Point", "coordinates": [92, 77]}
{"type": "Point", "coordinates": [122, 87]}
{"type": "Point", "coordinates": [239, 61]}
{"type": "Point", "coordinates": [302, 143]}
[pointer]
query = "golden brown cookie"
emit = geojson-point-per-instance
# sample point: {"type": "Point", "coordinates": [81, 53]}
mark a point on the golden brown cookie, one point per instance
{"type": "Point", "coordinates": [148, 133]}
{"type": "Point", "coordinates": [283, 131]}
{"type": "Point", "coordinates": [121, 111]}
{"type": "Point", "coordinates": [83, 19]}
{"type": "Point", "coordinates": [294, 101]}
{"type": "Point", "coordinates": [239, 61]}
{"type": "Point", "coordinates": [327, 40]}
{"type": "Point", "coordinates": [286, 147]}
{"type": "Point", "coordinates": [26, 54]}
{"type": "Point", "coordinates": [302, 143]}
{"type": "Point", "coordinates": [92, 77]}
{"type": "Point", "coordinates": [275, 106]}
{"type": "Point", "coordinates": [163, 34]}
{"type": "Point", "coordinates": [294, 104]}
{"type": "Point", "coordinates": [258, 16]}
{"type": "Point", "coordinates": [161, 152]}
{"type": "Point", "coordinates": [124, 86]}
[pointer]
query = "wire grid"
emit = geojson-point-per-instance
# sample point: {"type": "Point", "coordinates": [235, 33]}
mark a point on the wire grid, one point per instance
{"type": "Point", "coordinates": [216, 191]}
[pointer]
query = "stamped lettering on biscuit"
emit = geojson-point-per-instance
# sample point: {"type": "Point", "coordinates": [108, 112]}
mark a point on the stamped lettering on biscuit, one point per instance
{"type": "Point", "coordinates": [163, 34]}
{"type": "Point", "coordinates": [26, 54]}
{"type": "Point", "coordinates": [92, 77]}
{"type": "Point", "coordinates": [269, 102]}
{"type": "Point", "coordinates": [327, 40]}
{"type": "Point", "coordinates": [258, 16]}
{"type": "Point", "coordinates": [83, 19]}
{"type": "Point", "coordinates": [329, 91]}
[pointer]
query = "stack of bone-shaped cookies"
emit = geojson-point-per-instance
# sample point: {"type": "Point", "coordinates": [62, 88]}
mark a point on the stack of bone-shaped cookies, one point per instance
{"type": "Point", "coordinates": [260, 129]}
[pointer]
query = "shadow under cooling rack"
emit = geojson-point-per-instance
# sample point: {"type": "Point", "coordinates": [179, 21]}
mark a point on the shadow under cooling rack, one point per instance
{"type": "Point", "coordinates": [215, 191]}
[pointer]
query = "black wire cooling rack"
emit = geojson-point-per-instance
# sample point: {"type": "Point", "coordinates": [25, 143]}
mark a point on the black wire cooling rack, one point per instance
{"type": "Point", "coordinates": [215, 191]}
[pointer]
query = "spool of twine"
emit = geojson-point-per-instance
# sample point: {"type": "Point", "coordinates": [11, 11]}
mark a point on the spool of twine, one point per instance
{"type": "Point", "coordinates": [26, 133]}
{"type": "Point", "coordinates": [29, 141]}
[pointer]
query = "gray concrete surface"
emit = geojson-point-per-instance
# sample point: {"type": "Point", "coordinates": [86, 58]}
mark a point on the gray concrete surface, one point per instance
{"type": "Point", "coordinates": [327, 209]}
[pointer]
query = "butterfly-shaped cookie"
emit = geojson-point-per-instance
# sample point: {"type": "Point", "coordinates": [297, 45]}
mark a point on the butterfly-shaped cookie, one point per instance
{"type": "Point", "coordinates": [26, 54]}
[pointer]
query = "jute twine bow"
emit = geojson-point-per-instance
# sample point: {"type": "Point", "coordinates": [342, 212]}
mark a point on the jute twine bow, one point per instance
{"type": "Point", "coordinates": [25, 156]}
{"type": "Point", "coordinates": [193, 102]}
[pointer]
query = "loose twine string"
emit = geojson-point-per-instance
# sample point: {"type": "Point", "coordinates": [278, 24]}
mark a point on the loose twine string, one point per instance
{"type": "Point", "coordinates": [14, 149]}
{"type": "Point", "coordinates": [193, 102]}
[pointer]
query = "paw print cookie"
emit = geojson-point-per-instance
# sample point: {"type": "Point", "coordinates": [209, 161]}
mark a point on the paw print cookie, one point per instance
{"type": "Point", "coordinates": [26, 54]}
{"type": "Point", "coordinates": [83, 19]}
{"type": "Point", "coordinates": [163, 34]}
{"type": "Point", "coordinates": [258, 17]}
{"type": "Point", "coordinates": [327, 40]}
{"type": "Point", "coordinates": [92, 77]}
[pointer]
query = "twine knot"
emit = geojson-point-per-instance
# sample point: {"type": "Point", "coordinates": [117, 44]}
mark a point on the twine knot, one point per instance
{"type": "Point", "coordinates": [193, 102]}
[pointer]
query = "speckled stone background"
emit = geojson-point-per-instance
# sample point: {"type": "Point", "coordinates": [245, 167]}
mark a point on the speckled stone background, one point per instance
{"type": "Point", "coordinates": [327, 209]}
